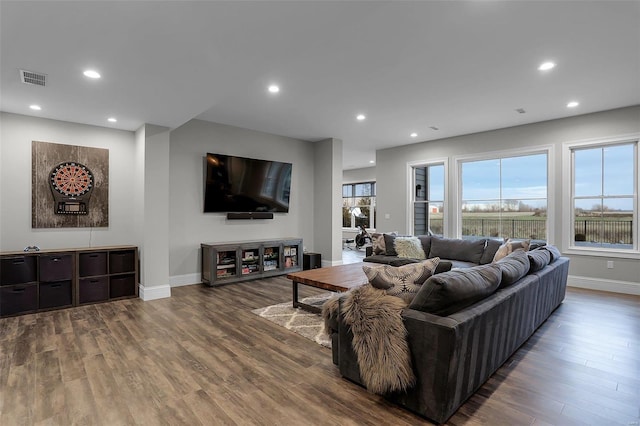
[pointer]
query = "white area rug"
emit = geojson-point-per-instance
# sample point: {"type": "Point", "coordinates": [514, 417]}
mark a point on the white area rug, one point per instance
{"type": "Point", "coordinates": [298, 320]}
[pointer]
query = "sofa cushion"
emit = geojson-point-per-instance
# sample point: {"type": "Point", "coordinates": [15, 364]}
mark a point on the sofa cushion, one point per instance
{"type": "Point", "coordinates": [403, 281]}
{"type": "Point", "coordinates": [449, 292]}
{"type": "Point", "coordinates": [509, 247]}
{"type": "Point", "coordinates": [513, 266]}
{"type": "Point", "coordinates": [553, 252]}
{"type": "Point", "coordinates": [409, 247]}
{"type": "Point", "coordinates": [382, 258]}
{"type": "Point", "coordinates": [426, 243]}
{"type": "Point", "coordinates": [538, 259]}
{"type": "Point", "coordinates": [455, 249]}
{"type": "Point", "coordinates": [490, 250]}
{"type": "Point", "coordinates": [389, 240]}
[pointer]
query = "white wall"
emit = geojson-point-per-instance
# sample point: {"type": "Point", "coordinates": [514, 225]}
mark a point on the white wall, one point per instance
{"type": "Point", "coordinates": [189, 226]}
{"type": "Point", "coordinates": [16, 134]}
{"type": "Point", "coordinates": [588, 271]}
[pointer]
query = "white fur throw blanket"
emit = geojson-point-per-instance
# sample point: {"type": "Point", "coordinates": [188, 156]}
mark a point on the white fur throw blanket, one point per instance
{"type": "Point", "coordinates": [379, 337]}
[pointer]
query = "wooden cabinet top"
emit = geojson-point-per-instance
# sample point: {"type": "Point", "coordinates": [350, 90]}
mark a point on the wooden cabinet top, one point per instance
{"type": "Point", "coordinates": [66, 250]}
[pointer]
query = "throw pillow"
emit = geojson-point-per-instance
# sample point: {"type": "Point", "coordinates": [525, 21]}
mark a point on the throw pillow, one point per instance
{"type": "Point", "coordinates": [409, 247]}
{"type": "Point", "coordinates": [490, 250]}
{"type": "Point", "coordinates": [509, 247]}
{"type": "Point", "coordinates": [377, 243]}
{"type": "Point", "coordinates": [538, 259]}
{"type": "Point", "coordinates": [553, 252]}
{"type": "Point", "coordinates": [513, 267]}
{"type": "Point", "coordinates": [403, 281]}
{"type": "Point", "coordinates": [449, 292]}
{"type": "Point", "coordinates": [389, 240]}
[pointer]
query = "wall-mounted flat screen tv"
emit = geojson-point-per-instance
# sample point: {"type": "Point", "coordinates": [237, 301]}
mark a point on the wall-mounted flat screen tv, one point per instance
{"type": "Point", "coordinates": [239, 184]}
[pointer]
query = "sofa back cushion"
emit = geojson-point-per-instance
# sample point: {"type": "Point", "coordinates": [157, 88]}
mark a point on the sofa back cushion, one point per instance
{"type": "Point", "coordinates": [455, 249]}
{"type": "Point", "coordinates": [513, 267]}
{"type": "Point", "coordinates": [490, 250]}
{"type": "Point", "coordinates": [538, 259]}
{"type": "Point", "coordinates": [449, 292]}
{"type": "Point", "coordinates": [403, 281]}
{"type": "Point", "coordinates": [426, 243]}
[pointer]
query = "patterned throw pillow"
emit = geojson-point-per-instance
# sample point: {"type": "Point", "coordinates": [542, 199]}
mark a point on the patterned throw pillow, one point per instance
{"type": "Point", "coordinates": [377, 243]}
{"type": "Point", "coordinates": [409, 247]}
{"type": "Point", "coordinates": [402, 281]}
{"type": "Point", "coordinates": [509, 247]}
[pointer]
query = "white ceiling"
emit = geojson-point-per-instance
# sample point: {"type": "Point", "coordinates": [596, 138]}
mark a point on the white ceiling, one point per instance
{"type": "Point", "coordinates": [463, 67]}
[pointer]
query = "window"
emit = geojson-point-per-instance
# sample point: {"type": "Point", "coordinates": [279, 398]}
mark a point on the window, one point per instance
{"type": "Point", "coordinates": [604, 195]}
{"type": "Point", "coordinates": [359, 205]}
{"type": "Point", "coordinates": [428, 199]}
{"type": "Point", "coordinates": [505, 197]}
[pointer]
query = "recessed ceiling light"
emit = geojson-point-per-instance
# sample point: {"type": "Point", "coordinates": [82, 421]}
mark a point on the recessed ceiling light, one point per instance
{"type": "Point", "coordinates": [91, 74]}
{"type": "Point", "coordinates": [372, 161]}
{"type": "Point", "coordinates": [274, 88]}
{"type": "Point", "coordinates": [546, 66]}
{"type": "Point", "coordinates": [35, 107]}
{"type": "Point", "coordinates": [360, 117]}
{"type": "Point", "coordinates": [573, 104]}
{"type": "Point", "coordinates": [112, 120]}
{"type": "Point", "coordinates": [414, 135]}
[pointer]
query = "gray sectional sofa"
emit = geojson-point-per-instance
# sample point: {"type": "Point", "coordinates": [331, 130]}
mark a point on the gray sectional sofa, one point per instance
{"type": "Point", "coordinates": [464, 324]}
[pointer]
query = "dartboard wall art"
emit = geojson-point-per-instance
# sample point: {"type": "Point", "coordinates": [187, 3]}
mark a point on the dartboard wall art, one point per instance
{"type": "Point", "coordinates": [70, 186]}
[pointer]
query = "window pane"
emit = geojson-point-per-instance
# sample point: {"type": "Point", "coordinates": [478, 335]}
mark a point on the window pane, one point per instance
{"type": "Point", "coordinates": [618, 170]}
{"type": "Point", "coordinates": [588, 172]}
{"type": "Point", "coordinates": [346, 217]}
{"type": "Point", "coordinates": [363, 190]}
{"type": "Point", "coordinates": [597, 225]}
{"type": "Point", "coordinates": [481, 219]}
{"type": "Point", "coordinates": [347, 190]}
{"type": "Point", "coordinates": [524, 177]}
{"type": "Point", "coordinates": [420, 179]}
{"type": "Point", "coordinates": [481, 180]}
{"type": "Point", "coordinates": [436, 225]}
{"type": "Point", "coordinates": [436, 183]}
{"type": "Point", "coordinates": [524, 219]}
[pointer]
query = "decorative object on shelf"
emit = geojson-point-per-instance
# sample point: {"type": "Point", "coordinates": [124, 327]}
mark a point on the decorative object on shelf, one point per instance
{"type": "Point", "coordinates": [69, 187]}
{"type": "Point", "coordinates": [29, 248]}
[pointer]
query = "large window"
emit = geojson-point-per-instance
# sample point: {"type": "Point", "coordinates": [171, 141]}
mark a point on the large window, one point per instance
{"type": "Point", "coordinates": [428, 199]}
{"type": "Point", "coordinates": [359, 205]}
{"type": "Point", "coordinates": [505, 197]}
{"type": "Point", "coordinates": [604, 195]}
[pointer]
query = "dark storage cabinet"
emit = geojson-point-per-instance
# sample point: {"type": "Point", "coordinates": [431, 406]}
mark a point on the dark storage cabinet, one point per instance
{"type": "Point", "coordinates": [54, 279]}
{"type": "Point", "coordinates": [18, 269]}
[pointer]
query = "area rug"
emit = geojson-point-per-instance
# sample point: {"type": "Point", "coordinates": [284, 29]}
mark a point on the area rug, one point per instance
{"type": "Point", "coordinates": [298, 320]}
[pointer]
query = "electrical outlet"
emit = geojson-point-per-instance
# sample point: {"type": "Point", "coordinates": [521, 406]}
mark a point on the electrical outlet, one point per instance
{"type": "Point", "coordinates": [609, 264]}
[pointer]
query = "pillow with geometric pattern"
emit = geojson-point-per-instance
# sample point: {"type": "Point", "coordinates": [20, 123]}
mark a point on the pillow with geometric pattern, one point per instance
{"type": "Point", "coordinates": [401, 281]}
{"type": "Point", "coordinates": [509, 247]}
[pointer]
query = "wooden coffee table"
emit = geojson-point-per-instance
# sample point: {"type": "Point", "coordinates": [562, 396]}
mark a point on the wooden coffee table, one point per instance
{"type": "Point", "coordinates": [336, 278]}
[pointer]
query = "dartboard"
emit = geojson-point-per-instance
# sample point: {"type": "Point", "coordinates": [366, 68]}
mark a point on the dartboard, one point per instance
{"type": "Point", "coordinates": [71, 179]}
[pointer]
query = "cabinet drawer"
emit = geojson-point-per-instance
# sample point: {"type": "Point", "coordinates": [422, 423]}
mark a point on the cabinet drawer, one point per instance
{"type": "Point", "coordinates": [56, 267]}
{"type": "Point", "coordinates": [55, 294]}
{"type": "Point", "coordinates": [18, 270]}
{"type": "Point", "coordinates": [120, 286]}
{"type": "Point", "coordinates": [92, 264]}
{"type": "Point", "coordinates": [121, 261]}
{"type": "Point", "coordinates": [18, 299]}
{"type": "Point", "coordinates": [93, 290]}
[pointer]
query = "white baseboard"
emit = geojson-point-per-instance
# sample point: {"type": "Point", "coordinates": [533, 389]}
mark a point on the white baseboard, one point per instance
{"type": "Point", "coordinates": [154, 292]}
{"type": "Point", "coordinates": [625, 287]}
{"type": "Point", "coordinates": [187, 279]}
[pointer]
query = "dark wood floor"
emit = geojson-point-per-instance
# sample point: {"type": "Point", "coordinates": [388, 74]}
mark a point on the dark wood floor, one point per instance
{"type": "Point", "coordinates": [201, 357]}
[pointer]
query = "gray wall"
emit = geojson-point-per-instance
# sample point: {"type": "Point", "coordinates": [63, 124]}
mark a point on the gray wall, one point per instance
{"type": "Point", "coordinates": [189, 226]}
{"type": "Point", "coordinates": [587, 271]}
{"type": "Point", "coordinates": [328, 200]}
{"type": "Point", "coordinates": [17, 132]}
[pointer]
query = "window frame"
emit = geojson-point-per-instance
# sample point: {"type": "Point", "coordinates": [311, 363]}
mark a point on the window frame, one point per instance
{"type": "Point", "coordinates": [412, 196]}
{"type": "Point", "coordinates": [371, 206]}
{"type": "Point", "coordinates": [568, 204]}
{"type": "Point", "coordinates": [502, 154]}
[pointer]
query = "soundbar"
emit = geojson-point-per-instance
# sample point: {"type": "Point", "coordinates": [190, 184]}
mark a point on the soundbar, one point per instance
{"type": "Point", "coordinates": [254, 215]}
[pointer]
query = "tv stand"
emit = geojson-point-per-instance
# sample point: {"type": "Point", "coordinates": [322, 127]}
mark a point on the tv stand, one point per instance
{"type": "Point", "coordinates": [225, 263]}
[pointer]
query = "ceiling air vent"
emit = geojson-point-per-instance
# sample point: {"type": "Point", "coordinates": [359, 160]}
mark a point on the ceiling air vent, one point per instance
{"type": "Point", "coordinates": [30, 77]}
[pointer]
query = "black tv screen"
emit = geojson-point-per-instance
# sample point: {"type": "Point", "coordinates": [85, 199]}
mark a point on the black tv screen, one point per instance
{"type": "Point", "coordinates": [239, 184]}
